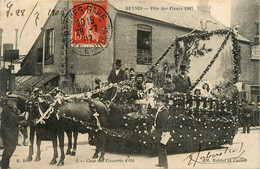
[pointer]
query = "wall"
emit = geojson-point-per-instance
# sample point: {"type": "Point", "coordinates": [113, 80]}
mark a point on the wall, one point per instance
{"type": "Point", "coordinates": [87, 68]}
{"type": "Point", "coordinates": [55, 22]}
{"type": "Point", "coordinates": [30, 67]}
{"type": "Point", "coordinates": [245, 13]}
{"type": "Point", "coordinates": [126, 39]}
{"type": "Point", "coordinates": [255, 72]}
{"type": "Point", "coordinates": [246, 65]}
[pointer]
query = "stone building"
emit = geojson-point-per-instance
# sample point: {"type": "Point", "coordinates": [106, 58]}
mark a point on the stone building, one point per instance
{"type": "Point", "coordinates": [52, 61]}
{"type": "Point", "coordinates": [247, 18]}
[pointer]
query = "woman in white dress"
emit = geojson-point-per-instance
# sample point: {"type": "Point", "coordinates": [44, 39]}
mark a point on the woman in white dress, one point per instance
{"type": "Point", "coordinates": [205, 91]}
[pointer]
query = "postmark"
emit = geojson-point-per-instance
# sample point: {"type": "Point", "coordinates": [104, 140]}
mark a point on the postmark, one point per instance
{"type": "Point", "coordinates": [91, 27]}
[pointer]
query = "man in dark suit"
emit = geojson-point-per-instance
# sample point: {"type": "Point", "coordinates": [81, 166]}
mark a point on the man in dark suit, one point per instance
{"type": "Point", "coordinates": [9, 129]}
{"type": "Point", "coordinates": [117, 75]}
{"type": "Point", "coordinates": [182, 81]}
{"type": "Point", "coordinates": [161, 129]}
{"type": "Point", "coordinates": [246, 117]}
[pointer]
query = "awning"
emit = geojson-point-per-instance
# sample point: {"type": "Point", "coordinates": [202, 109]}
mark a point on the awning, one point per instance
{"type": "Point", "coordinates": [29, 81]}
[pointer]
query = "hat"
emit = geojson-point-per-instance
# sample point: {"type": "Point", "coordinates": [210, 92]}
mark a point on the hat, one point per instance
{"type": "Point", "coordinates": [252, 103]}
{"type": "Point", "coordinates": [36, 89]}
{"type": "Point", "coordinates": [97, 80]}
{"type": "Point", "coordinates": [182, 67]}
{"type": "Point", "coordinates": [55, 89]}
{"type": "Point", "coordinates": [132, 69]}
{"type": "Point", "coordinates": [118, 62]}
{"type": "Point", "coordinates": [139, 75]}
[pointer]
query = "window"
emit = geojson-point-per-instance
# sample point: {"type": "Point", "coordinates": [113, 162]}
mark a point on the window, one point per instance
{"type": "Point", "coordinates": [144, 44]}
{"type": "Point", "coordinates": [49, 46]}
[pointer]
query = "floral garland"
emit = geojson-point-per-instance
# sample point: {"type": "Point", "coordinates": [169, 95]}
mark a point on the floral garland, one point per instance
{"type": "Point", "coordinates": [211, 62]}
{"type": "Point", "coordinates": [204, 35]}
{"type": "Point", "coordinates": [236, 55]}
{"type": "Point", "coordinates": [163, 55]}
{"type": "Point", "coordinates": [176, 53]}
{"type": "Point", "coordinates": [187, 130]}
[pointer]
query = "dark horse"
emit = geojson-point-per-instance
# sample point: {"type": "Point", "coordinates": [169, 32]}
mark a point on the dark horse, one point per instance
{"type": "Point", "coordinates": [112, 94]}
{"type": "Point", "coordinates": [57, 122]}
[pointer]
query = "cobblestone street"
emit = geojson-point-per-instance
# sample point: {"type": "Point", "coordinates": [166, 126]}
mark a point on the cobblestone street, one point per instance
{"type": "Point", "coordinates": [246, 146]}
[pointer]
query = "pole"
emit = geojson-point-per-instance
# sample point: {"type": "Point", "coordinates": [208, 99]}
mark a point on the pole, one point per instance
{"type": "Point", "coordinates": [16, 39]}
{"type": "Point", "coordinates": [11, 78]}
{"type": "Point", "coordinates": [1, 32]}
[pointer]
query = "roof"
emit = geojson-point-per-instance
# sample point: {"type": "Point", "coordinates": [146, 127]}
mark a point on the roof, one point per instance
{"type": "Point", "coordinates": [190, 19]}
{"type": "Point", "coordinates": [179, 16]}
{"type": "Point", "coordinates": [29, 81]}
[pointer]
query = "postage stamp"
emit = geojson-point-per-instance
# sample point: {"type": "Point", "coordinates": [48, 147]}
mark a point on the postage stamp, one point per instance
{"type": "Point", "coordinates": [91, 26]}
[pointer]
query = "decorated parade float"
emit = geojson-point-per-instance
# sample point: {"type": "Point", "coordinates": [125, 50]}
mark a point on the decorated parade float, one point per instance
{"type": "Point", "coordinates": [196, 122]}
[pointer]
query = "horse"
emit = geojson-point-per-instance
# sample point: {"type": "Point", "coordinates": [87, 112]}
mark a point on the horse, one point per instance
{"type": "Point", "coordinates": [73, 146]}
{"type": "Point", "coordinates": [57, 123]}
{"type": "Point", "coordinates": [107, 97]}
{"type": "Point", "coordinates": [50, 130]}
{"type": "Point", "coordinates": [84, 112]}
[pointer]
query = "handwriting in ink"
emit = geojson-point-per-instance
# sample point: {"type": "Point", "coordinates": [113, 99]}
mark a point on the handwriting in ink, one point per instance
{"type": "Point", "coordinates": [228, 156]}
{"type": "Point", "coordinates": [18, 12]}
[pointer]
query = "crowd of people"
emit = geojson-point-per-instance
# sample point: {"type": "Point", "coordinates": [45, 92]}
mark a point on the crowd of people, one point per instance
{"type": "Point", "coordinates": [178, 83]}
{"type": "Point", "coordinates": [181, 83]}
{"type": "Point", "coordinates": [248, 112]}
{"type": "Point", "coordinates": [248, 115]}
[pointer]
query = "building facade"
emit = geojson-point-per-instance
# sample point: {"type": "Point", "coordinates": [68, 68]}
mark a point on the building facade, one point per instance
{"type": "Point", "coordinates": [246, 17]}
{"type": "Point", "coordinates": [139, 39]}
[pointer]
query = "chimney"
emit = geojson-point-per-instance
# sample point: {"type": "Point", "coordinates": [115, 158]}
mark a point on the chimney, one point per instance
{"type": "Point", "coordinates": [16, 39]}
{"type": "Point", "coordinates": [1, 32]}
{"type": "Point", "coordinates": [204, 6]}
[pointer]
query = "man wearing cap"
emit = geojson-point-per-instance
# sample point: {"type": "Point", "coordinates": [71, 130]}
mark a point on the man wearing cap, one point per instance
{"type": "Point", "coordinates": [161, 130]}
{"type": "Point", "coordinates": [182, 81]}
{"type": "Point", "coordinates": [9, 129]}
{"type": "Point", "coordinates": [139, 82]}
{"type": "Point", "coordinates": [246, 117]}
{"type": "Point", "coordinates": [117, 74]}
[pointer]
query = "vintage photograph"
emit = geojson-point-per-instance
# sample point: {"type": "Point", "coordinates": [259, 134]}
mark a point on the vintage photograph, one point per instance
{"type": "Point", "coordinates": [129, 84]}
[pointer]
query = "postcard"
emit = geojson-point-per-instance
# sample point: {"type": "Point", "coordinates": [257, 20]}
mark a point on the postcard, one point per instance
{"type": "Point", "coordinates": [129, 84]}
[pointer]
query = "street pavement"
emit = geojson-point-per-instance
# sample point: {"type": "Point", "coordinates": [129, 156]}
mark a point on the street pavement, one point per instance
{"type": "Point", "coordinates": [243, 153]}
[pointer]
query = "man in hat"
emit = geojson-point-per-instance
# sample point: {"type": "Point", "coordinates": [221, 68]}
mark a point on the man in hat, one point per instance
{"type": "Point", "coordinates": [9, 129]}
{"type": "Point", "coordinates": [182, 81]}
{"type": "Point", "coordinates": [98, 83]}
{"type": "Point", "coordinates": [117, 74]}
{"type": "Point", "coordinates": [253, 114]}
{"type": "Point", "coordinates": [161, 129]}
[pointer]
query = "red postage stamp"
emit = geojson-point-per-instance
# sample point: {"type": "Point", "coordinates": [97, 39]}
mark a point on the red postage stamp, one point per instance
{"type": "Point", "coordinates": [89, 24]}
